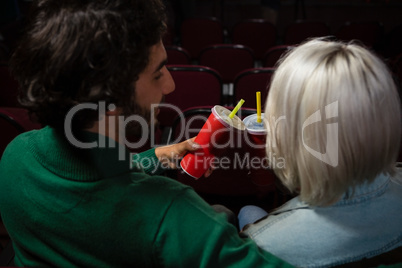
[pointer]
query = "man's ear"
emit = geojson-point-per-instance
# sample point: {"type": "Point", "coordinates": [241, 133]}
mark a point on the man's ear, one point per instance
{"type": "Point", "coordinates": [113, 110]}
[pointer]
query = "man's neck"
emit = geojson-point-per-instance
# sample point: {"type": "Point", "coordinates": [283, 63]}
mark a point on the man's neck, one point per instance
{"type": "Point", "coordinates": [106, 127]}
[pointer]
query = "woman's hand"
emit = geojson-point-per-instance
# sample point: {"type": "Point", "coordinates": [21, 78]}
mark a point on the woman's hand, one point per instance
{"type": "Point", "coordinates": [170, 155]}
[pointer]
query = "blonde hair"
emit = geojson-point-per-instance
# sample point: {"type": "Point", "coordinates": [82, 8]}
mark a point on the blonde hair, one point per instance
{"type": "Point", "coordinates": [334, 116]}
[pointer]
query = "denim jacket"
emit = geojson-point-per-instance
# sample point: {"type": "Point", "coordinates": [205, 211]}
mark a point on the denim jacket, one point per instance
{"type": "Point", "coordinates": [361, 225]}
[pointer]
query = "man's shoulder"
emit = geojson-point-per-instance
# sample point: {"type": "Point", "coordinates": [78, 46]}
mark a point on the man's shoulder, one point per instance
{"type": "Point", "coordinates": [19, 144]}
{"type": "Point", "coordinates": [163, 188]}
{"type": "Point", "coordinates": [158, 182]}
{"type": "Point", "coordinates": [26, 136]}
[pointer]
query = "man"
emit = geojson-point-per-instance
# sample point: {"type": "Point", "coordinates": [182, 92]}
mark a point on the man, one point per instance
{"type": "Point", "coordinates": [70, 197]}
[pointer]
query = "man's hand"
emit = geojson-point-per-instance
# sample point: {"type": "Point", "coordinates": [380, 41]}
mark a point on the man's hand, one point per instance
{"type": "Point", "coordinates": [170, 155]}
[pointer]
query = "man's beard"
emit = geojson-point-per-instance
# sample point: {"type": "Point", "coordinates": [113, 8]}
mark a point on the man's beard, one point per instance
{"type": "Point", "coordinates": [134, 129]}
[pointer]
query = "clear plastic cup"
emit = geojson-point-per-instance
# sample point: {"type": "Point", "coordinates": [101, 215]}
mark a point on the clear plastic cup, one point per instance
{"type": "Point", "coordinates": [260, 172]}
{"type": "Point", "coordinates": [256, 135]}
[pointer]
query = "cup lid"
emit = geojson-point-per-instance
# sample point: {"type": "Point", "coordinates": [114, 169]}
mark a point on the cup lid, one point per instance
{"type": "Point", "coordinates": [222, 114]}
{"type": "Point", "coordinates": [253, 127]}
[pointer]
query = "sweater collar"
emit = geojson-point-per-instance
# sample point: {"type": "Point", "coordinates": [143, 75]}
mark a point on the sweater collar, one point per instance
{"type": "Point", "coordinates": [85, 157]}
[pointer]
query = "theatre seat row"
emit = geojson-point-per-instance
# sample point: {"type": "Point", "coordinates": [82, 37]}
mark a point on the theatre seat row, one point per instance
{"type": "Point", "coordinates": [259, 34]}
{"type": "Point", "coordinates": [241, 54]}
{"type": "Point", "coordinates": [202, 85]}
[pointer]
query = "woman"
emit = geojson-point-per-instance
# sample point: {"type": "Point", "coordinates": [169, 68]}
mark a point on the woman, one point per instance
{"type": "Point", "coordinates": [334, 114]}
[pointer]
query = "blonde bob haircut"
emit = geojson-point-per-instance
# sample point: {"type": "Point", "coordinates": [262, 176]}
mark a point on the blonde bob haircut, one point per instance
{"type": "Point", "coordinates": [333, 115]}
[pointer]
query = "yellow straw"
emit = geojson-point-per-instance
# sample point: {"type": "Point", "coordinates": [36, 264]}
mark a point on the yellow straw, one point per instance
{"type": "Point", "coordinates": [258, 95]}
{"type": "Point", "coordinates": [232, 114]}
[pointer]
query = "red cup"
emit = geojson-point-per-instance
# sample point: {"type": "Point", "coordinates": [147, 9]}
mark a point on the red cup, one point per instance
{"type": "Point", "coordinates": [212, 137]}
{"type": "Point", "coordinates": [260, 172]}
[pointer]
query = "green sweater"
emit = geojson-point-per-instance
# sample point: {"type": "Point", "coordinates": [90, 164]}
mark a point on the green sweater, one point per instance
{"type": "Point", "coordinates": [70, 207]}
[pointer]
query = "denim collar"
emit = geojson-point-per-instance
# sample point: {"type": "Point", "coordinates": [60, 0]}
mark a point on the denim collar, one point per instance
{"type": "Point", "coordinates": [365, 191]}
{"type": "Point", "coordinates": [358, 194]}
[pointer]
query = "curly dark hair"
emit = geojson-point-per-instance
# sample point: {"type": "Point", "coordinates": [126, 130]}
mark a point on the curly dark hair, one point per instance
{"type": "Point", "coordinates": [78, 51]}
